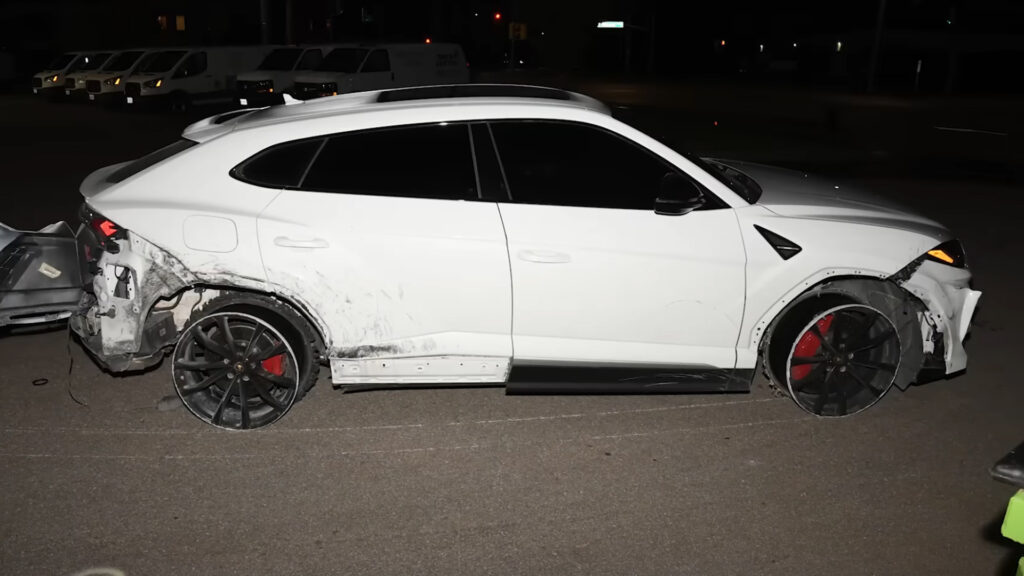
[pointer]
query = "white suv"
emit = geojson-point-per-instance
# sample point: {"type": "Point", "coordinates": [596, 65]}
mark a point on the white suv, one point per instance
{"type": "Point", "coordinates": [501, 234]}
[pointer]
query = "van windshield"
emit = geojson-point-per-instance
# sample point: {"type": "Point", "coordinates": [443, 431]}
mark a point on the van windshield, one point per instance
{"type": "Point", "coordinates": [91, 62]}
{"type": "Point", "coordinates": [163, 62]}
{"type": "Point", "coordinates": [60, 62]}
{"type": "Point", "coordinates": [343, 60]}
{"type": "Point", "coordinates": [121, 61]}
{"type": "Point", "coordinates": [280, 59]}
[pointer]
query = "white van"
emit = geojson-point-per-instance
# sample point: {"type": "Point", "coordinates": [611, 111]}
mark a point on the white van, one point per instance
{"type": "Point", "coordinates": [50, 82]}
{"type": "Point", "coordinates": [276, 74]}
{"type": "Point", "coordinates": [190, 75]}
{"type": "Point", "coordinates": [107, 83]}
{"type": "Point", "coordinates": [74, 79]}
{"type": "Point", "coordinates": [360, 68]}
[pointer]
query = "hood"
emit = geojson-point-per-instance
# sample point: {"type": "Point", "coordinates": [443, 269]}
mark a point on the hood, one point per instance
{"type": "Point", "coordinates": [797, 194]}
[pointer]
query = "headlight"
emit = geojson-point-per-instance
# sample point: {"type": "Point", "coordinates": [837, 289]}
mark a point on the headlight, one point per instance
{"type": "Point", "coordinates": [950, 253]}
{"type": "Point", "coordinates": [330, 87]}
{"type": "Point", "coordinates": [112, 81]}
{"type": "Point", "coordinates": [54, 78]}
{"type": "Point", "coordinates": [154, 83]}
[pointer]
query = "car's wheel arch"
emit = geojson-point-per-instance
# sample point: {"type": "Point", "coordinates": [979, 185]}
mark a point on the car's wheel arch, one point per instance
{"type": "Point", "coordinates": [878, 292]}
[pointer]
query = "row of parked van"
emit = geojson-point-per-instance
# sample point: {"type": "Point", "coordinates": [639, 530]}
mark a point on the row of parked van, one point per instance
{"type": "Point", "coordinates": [254, 75]}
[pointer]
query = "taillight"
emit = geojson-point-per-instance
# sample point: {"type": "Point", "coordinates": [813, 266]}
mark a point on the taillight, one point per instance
{"type": "Point", "coordinates": [105, 227]}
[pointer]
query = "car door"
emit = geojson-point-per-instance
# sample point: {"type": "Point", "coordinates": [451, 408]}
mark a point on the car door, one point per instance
{"type": "Point", "coordinates": [387, 241]}
{"type": "Point", "coordinates": [598, 277]}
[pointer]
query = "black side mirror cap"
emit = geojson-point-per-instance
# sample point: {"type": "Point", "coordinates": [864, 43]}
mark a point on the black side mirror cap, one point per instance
{"type": "Point", "coordinates": [677, 196]}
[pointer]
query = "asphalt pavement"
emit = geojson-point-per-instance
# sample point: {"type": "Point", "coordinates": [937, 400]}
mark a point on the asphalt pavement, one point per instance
{"type": "Point", "coordinates": [100, 471]}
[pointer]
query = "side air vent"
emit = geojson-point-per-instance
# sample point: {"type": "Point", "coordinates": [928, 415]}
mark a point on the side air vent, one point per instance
{"type": "Point", "coordinates": [785, 248]}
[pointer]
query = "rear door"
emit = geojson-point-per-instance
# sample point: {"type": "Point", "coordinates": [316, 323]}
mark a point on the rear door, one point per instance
{"type": "Point", "coordinates": [598, 277]}
{"type": "Point", "coordinates": [385, 237]}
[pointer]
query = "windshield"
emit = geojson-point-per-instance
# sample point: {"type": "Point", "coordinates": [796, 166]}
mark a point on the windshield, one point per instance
{"type": "Point", "coordinates": [280, 59]}
{"type": "Point", "coordinates": [737, 181]}
{"type": "Point", "coordinates": [121, 62]}
{"type": "Point", "coordinates": [163, 61]}
{"type": "Point", "coordinates": [343, 60]}
{"type": "Point", "coordinates": [91, 62]}
{"type": "Point", "coordinates": [60, 62]}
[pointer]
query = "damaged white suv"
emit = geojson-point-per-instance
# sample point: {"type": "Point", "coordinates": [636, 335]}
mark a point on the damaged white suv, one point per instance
{"type": "Point", "coordinates": [487, 234]}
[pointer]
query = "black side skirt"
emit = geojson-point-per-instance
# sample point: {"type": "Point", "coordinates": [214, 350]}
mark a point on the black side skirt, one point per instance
{"type": "Point", "coordinates": [572, 379]}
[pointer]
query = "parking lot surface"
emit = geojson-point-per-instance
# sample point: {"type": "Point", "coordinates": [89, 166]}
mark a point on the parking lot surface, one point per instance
{"type": "Point", "coordinates": [103, 471]}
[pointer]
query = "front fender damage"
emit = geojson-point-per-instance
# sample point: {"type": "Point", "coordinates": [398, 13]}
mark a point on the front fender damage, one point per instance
{"type": "Point", "coordinates": [949, 304]}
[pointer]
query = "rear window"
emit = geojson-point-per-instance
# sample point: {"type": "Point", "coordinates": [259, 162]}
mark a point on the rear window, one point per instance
{"type": "Point", "coordinates": [148, 160]}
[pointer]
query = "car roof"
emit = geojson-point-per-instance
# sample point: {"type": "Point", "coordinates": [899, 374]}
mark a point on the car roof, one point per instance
{"type": "Point", "coordinates": [420, 98]}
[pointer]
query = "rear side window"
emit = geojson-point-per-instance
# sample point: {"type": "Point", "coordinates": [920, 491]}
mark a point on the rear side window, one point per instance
{"type": "Point", "coordinates": [281, 166]}
{"type": "Point", "coordinates": [428, 161]}
{"type": "Point", "coordinates": [377, 61]}
{"type": "Point", "coordinates": [148, 160]}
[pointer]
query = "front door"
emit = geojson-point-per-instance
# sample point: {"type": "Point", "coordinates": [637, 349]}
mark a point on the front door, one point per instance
{"type": "Point", "coordinates": [386, 240]}
{"type": "Point", "coordinates": [599, 278]}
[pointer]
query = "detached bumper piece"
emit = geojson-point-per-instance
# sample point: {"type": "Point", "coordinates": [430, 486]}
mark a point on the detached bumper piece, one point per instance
{"type": "Point", "coordinates": [40, 274]}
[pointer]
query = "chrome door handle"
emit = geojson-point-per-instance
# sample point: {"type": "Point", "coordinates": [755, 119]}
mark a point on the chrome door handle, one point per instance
{"type": "Point", "coordinates": [544, 256]}
{"type": "Point", "coordinates": [287, 242]}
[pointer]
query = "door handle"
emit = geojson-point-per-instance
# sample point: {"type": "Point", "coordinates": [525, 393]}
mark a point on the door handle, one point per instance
{"type": "Point", "coordinates": [544, 256]}
{"type": "Point", "coordinates": [287, 242]}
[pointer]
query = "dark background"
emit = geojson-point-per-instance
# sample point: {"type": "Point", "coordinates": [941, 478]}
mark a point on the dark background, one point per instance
{"type": "Point", "coordinates": [963, 46]}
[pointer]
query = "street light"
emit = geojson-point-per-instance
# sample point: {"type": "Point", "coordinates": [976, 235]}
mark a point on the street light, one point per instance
{"type": "Point", "coordinates": [611, 24]}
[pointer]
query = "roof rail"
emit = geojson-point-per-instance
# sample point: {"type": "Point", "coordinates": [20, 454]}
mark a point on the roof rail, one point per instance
{"type": "Point", "coordinates": [473, 91]}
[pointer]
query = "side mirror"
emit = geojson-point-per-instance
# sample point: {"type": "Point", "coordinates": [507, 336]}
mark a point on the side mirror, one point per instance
{"type": "Point", "coordinates": [677, 196]}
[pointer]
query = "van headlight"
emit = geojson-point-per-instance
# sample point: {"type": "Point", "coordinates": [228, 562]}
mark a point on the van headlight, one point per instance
{"type": "Point", "coordinates": [112, 81]}
{"type": "Point", "coordinates": [155, 83]}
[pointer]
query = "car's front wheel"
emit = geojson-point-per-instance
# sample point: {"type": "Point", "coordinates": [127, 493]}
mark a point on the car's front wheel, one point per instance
{"type": "Point", "coordinates": [840, 352]}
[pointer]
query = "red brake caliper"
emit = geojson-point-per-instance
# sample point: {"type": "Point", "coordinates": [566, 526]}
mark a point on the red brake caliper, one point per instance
{"type": "Point", "coordinates": [808, 346]}
{"type": "Point", "coordinates": [274, 365]}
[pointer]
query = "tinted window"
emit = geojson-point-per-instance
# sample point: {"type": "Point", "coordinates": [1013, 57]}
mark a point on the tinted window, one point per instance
{"type": "Point", "coordinates": [377, 61]}
{"type": "Point", "coordinates": [576, 165]}
{"type": "Point", "coordinates": [121, 61]}
{"type": "Point", "coordinates": [431, 161]}
{"type": "Point", "coordinates": [148, 160]}
{"type": "Point", "coordinates": [280, 59]}
{"type": "Point", "coordinates": [163, 61]}
{"type": "Point", "coordinates": [492, 184]}
{"type": "Point", "coordinates": [310, 60]}
{"type": "Point", "coordinates": [60, 62]}
{"type": "Point", "coordinates": [281, 166]}
{"type": "Point", "coordinates": [194, 65]}
{"type": "Point", "coordinates": [343, 60]}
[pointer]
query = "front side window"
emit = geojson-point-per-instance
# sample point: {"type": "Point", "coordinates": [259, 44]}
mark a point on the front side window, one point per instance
{"type": "Point", "coordinates": [425, 161]}
{"type": "Point", "coordinates": [280, 59]}
{"type": "Point", "coordinates": [162, 62]}
{"type": "Point", "coordinates": [194, 65]}
{"type": "Point", "coordinates": [566, 164]}
{"type": "Point", "coordinates": [345, 60]}
{"type": "Point", "coordinates": [310, 60]}
{"type": "Point", "coordinates": [377, 61]}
